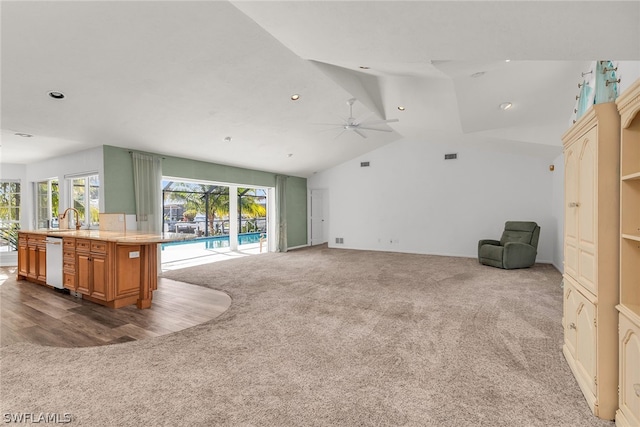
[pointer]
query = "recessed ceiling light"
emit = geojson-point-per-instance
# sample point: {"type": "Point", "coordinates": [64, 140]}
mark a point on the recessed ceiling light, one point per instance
{"type": "Point", "coordinates": [24, 135]}
{"type": "Point", "coordinates": [478, 74]}
{"type": "Point", "coordinates": [56, 95]}
{"type": "Point", "coordinates": [400, 107]}
{"type": "Point", "coordinates": [295, 97]}
{"type": "Point", "coordinates": [227, 139]}
{"type": "Point", "coordinates": [506, 105]}
{"type": "Point", "coordinates": [507, 60]}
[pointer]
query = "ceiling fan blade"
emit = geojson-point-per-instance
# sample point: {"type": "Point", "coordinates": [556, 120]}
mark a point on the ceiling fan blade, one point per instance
{"type": "Point", "coordinates": [375, 122]}
{"type": "Point", "coordinates": [362, 134]}
{"type": "Point", "coordinates": [376, 129]}
{"type": "Point", "coordinates": [338, 135]}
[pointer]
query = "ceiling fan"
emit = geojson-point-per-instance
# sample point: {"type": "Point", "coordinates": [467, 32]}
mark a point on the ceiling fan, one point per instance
{"type": "Point", "coordinates": [358, 126]}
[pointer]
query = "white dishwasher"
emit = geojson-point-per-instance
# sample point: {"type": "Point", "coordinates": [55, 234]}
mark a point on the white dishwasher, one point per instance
{"type": "Point", "coordinates": [54, 261]}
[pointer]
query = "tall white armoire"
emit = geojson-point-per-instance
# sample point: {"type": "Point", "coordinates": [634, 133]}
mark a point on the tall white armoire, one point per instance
{"type": "Point", "coordinates": [591, 255]}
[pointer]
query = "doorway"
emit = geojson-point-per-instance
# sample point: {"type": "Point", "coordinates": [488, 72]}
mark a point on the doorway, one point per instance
{"type": "Point", "coordinates": [319, 224]}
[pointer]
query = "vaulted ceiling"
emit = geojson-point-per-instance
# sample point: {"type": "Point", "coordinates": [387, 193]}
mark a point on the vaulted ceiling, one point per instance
{"type": "Point", "coordinates": [181, 78]}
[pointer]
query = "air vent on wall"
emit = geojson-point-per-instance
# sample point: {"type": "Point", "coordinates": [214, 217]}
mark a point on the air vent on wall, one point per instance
{"type": "Point", "coordinates": [451, 156]}
{"type": "Point", "coordinates": [339, 239]}
{"type": "Point", "coordinates": [364, 164]}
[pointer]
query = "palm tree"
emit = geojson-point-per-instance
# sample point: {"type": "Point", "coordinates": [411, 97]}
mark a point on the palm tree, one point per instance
{"type": "Point", "coordinates": [249, 206]}
{"type": "Point", "coordinates": [201, 198]}
{"type": "Point", "coordinates": [214, 201]}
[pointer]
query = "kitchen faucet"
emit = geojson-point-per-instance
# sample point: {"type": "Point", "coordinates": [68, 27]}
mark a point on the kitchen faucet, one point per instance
{"type": "Point", "coordinates": [76, 215]}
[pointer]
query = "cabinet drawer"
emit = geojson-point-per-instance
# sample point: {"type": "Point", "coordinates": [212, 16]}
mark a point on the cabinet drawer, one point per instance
{"type": "Point", "coordinates": [69, 242]}
{"type": "Point", "coordinates": [83, 245]}
{"type": "Point", "coordinates": [69, 281]}
{"type": "Point", "coordinates": [98, 246]}
{"type": "Point", "coordinates": [69, 266]}
{"type": "Point", "coordinates": [69, 254]}
{"type": "Point", "coordinates": [34, 242]}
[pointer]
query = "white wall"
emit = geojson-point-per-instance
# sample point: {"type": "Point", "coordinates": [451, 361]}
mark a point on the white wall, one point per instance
{"type": "Point", "coordinates": [412, 200]}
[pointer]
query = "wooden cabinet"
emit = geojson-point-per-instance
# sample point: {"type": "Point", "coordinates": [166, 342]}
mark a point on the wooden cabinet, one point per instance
{"type": "Point", "coordinates": [592, 218]}
{"type": "Point", "coordinates": [108, 273]}
{"type": "Point", "coordinates": [92, 268]}
{"type": "Point", "coordinates": [628, 414]}
{"type": "Point", "coordinates": [32, 258]}
{"type": "Point", "coordinates": [116, 272]}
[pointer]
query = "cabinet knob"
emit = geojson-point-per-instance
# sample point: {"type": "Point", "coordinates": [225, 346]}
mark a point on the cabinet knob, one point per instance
{"type": "Point", "coordinates": [572, 326]}
{"type": "Point", "coordinates": [574, 204]}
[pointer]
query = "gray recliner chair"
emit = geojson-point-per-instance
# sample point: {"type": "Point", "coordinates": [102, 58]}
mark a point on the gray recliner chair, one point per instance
{"type": "Point", "coordinates": [517, 248]}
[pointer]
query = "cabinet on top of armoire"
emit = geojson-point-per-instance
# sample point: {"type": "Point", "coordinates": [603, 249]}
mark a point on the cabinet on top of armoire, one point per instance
{"type": "Point", "coordinates": [628, 414]}
{"type": "Point", "coordinates": [591, 255]}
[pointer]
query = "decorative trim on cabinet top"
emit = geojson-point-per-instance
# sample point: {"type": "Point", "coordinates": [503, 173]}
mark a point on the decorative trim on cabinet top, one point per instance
{"type": "Point", "coordinates": [591, 118]}
{"type": "Point", "coordinates": [629, 103]}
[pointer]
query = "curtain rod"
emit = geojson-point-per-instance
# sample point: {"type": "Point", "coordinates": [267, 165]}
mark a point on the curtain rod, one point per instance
{"type": "Point", "coordinates": [146, 152]}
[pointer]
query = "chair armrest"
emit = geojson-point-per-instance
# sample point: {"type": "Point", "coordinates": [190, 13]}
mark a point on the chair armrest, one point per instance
{"type": "Point", "coordinates": [518, 255]}
{"type": "Point", "coordinates": [488, 242]}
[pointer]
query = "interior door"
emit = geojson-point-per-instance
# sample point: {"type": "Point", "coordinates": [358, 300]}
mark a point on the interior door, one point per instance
{"type": "Point", "coordinates": [317, 217]}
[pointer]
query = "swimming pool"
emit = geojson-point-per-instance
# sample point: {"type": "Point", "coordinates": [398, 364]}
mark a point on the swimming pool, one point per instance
{"type": "Point", "coordinates": [215, 242]}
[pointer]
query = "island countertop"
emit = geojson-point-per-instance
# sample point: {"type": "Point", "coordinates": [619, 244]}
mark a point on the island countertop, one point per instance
{"type": "Point", "coordinates": [126, 237]}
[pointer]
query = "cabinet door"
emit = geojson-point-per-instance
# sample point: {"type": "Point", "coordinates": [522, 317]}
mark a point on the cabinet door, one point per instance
{"type": "Point", "coordinates": [629, 397]}
{"type": "Point", "coordinates": [588, 186]}
{"type": "Point", "coordinates": [42, 261]}
{"type": "Point", "coordinates": [571, 211]}
{"type": "Point", "coordinates": [99, 276]}
{"type": "Point", "coordinates": [23, 257]}
{"type": "Point", "coordinates": [83, 273]}
{"type": "Point", "coordinates": [586, 341]}
{"type": "Point", "coordinates": [33, 261]}
{"type": "Point", "coordinates": [570, 309]}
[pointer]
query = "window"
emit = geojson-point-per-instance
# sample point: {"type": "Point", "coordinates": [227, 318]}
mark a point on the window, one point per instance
{"type": "Point", "coordinates": [9, 214]}
{"type": "Point", "coordinates": [85, 193]}
{"type": "Point", "coordinates": [47, 202]}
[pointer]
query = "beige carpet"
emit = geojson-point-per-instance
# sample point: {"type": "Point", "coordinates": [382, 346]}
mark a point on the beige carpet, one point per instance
{"type": "Point", "coordinates": [328, 337]}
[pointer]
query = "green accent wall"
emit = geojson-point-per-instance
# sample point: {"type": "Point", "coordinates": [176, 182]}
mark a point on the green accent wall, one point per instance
{"type": "Point", "coordinates": [117, 185]}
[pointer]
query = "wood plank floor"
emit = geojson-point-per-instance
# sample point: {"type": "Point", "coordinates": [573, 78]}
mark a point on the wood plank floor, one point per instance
{"type": "Point", "coordinates": [40, 315]}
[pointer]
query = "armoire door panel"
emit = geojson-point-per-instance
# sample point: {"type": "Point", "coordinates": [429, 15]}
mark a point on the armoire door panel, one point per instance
{"type": "Point", "coordinates": [571, 211]}
{"type": "Point", "coordinates": [587, 274]}
{"type": "Point", "coordinates": [570, 309]}
{"type": "Point", "coordinates": [586, 342]}
{"type": "Point", "coordinates": [571, 260]}
{"type": "Point", "coordinates": [587, 189]}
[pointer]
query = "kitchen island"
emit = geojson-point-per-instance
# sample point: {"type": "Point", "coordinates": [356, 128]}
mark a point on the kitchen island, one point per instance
{"type": "Point", "coordinates": [110, 268]}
